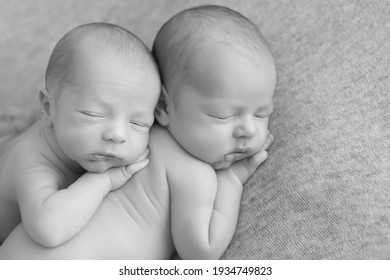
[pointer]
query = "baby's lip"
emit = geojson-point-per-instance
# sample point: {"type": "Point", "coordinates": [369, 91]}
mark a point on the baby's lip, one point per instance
{"type": "Point", "coordinates": [238, 154]}
{"type": "Point", "coordinates": [102, 156]}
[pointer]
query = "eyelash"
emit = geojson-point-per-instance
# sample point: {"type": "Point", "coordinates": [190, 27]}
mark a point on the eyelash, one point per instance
{"type": "Point", "coordinates": [262, 117]}
{"type": "Point", "coordinates": [140, 124]}
{"type": "Point", "coordinates": [97, 115]}
{"type": "Point", "coordinates": [226, 118]}
{"type": "Point", "coordinates": [220, 118]}
{"type": "Point", "coordinates": [92, 114]}
{"type": "Point", "coordinates": [223, 118]}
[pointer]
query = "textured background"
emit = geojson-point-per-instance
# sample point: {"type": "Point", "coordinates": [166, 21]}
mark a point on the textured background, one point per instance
{"type": "Point", "coordinates": [324, 192]}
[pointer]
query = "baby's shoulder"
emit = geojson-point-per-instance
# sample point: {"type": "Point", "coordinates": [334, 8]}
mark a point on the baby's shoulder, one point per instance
{"type": "Point", "coordinates": [172, 155]}
{"type": "Point", "coordinates": [28, 150]}
{"type": "Point", "coordinates": [165, 146]}
{"type": "Point", "coordinates": [26, 158]}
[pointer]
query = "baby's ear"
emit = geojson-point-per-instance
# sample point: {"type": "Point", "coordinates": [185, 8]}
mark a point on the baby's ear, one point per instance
{"type": "Point", "coordinates": [161, 112]}
{"type": "Point", "coordinates": [45, 107]}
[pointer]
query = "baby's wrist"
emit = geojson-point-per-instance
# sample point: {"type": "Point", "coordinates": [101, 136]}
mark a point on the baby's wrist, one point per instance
{"type": "Point", "coordinates": [229, 174]}
{"type": "Point", "coordinates": [108, 183]}
{"type": "Point", "coordinates": [101, 181]}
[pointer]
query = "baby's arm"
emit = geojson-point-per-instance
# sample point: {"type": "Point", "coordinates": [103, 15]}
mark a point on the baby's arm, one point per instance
{"type": "Point", "coordinates": [52, 216]}
{"type": "Point", "coordinates": [205, 207]}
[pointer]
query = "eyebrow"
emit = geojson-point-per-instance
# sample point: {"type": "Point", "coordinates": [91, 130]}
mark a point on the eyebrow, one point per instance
{"type": "Point", "coordinates": [268, 107]}
{"type": "Point", "coordinates": [142, 113]}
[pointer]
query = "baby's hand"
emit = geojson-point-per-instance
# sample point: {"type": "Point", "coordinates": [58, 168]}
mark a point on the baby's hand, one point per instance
{"type": "Point", "coordinates": [268, 141]}
{"type": "Point", "coordinates": [244, 168]}
{"type": "Point", "coordinates": [120, 175]}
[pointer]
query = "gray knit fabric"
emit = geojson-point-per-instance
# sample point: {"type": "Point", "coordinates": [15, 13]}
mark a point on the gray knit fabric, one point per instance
{"type": "Point", "coordinates": [324, 192]}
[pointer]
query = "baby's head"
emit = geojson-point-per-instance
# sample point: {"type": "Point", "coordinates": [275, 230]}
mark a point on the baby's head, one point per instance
{"type": "Point", "coordinates": [102, 85]}
{"type": "Point", "coordinates": [218, 78]}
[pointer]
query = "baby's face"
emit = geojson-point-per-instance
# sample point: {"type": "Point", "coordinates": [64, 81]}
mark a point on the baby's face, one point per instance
{"type": "Point", "coordinates": [225, 117]}
{"type": "Point", "coordinates": [104, 119]}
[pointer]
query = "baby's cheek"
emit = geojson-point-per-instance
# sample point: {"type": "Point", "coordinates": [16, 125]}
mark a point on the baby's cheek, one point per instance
{"type": "Point", "coordinates": [139, 148]}
{"type": "Point", "coordinates": [221, 165]}
{"type": "Point", "coordinates": [262, 138]}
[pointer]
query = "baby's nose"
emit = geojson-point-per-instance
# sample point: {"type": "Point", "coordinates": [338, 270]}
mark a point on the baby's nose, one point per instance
{"type": "Point", "coordinates": [245, 128]}
{"type": "Point", "coordinates": [116, 133]}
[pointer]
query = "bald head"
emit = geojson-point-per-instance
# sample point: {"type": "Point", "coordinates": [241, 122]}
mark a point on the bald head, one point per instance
{"type": "Point", "coordinates": [184, 39]}
{"type": "Point", "coordinates": [92, 41]}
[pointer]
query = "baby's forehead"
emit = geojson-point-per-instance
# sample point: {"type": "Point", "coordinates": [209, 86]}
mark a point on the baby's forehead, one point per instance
{"type": "Point", "coordinates": [228, 69]}
{"type": "Point", "coordinates": [96, 69]}
{"type": "Point", "coordinates": [93, 43]}
{"type": "Point", "coordinates": [93, 50]}
{"type": "Point", "coordinates": [207, 47]}
{"type": "Point", "coordinates": [94, 61]}
{"type": "Point", "coordinates": [220, 57]}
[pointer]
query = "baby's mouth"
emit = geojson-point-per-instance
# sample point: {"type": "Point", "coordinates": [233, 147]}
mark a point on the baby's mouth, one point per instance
{"type": "Point", "coordinates": [238, 155]}
{"type": "Point", "coordinates": [100, 156]}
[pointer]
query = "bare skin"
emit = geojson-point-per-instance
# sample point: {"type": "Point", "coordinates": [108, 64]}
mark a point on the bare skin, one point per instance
{"type": "Point", "coordinates": [85, 193]}
{"type": "Point", "coordinates": [91, 138]}
{"type": "Point", "coordinates": [213, 138]}
{"type": "Point", "coordinates": [135, 222]}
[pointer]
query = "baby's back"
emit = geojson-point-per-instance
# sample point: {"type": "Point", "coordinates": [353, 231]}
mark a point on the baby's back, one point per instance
{"type": "Point", "coordinates": [132, 222]}
{"type": "Point", "coordinates": [9, 208]}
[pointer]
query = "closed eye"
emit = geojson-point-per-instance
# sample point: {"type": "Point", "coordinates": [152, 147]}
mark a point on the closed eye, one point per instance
{"type": "Point", "coordinates": [262, 116]}
{"type": "Point", "coordinates": [140, 124]}
{"type": "Point", "coordinates": [223, 118]}
{"type": "Point", "coordinates": [92, 114]}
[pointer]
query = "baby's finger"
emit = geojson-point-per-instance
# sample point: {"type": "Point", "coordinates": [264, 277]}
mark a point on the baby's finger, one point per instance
{"type": "Point", "coordinates": [144, 155]}
{"type": "Point", "coordinates": [257, 159]}
{"type": "Point", "coordinates": [268, 141]}
{"type": "Point", "coordinates": [135, 167]}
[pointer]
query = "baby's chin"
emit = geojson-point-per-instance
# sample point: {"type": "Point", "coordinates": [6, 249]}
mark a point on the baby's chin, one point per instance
{"type": "Point", "coordinates": [100, 166]}
{"type": "Point", "coordinates": [221, 165]}
{"type": "Point", "coordinates": [225, 164]}
{"type": "Point", "coordinates": [96, 167]}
